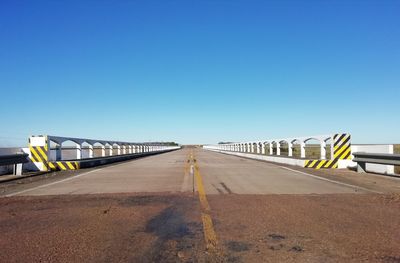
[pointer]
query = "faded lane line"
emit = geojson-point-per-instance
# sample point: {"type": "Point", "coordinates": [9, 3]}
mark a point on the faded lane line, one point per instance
{"type": "Point", "coordinates": [185, 183]}
{"type": "Point", "coordinates": [331, 181]}
{"type": "Point", "coordinates": [53, 183]}
{"type": "Point", "coordinates": [208, 227]}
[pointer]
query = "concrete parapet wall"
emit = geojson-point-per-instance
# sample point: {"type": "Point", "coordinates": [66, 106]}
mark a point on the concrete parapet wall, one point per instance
{"type": "Point", "coordinates": [92, 162]}
{"type": "Point", "coordinates": [342, 164]}
{"type": "Point", "coordinates": [275, 159]}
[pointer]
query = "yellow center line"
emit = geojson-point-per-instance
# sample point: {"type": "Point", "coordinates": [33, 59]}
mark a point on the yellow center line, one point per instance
{"type": "Point", "coordinates": [208, 227]}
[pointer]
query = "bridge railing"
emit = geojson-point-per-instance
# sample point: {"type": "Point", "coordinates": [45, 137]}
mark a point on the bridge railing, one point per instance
{"type": "Point", "coordinates": [339, 148]}
{"type": "Point", "coordinates": [362, 158]}
{"type": "Point", "coordinates": [66, 153]}
{"type": "Point", "coordinates": [16, 160]}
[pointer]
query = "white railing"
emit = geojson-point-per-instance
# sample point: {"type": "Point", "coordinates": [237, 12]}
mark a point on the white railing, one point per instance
{"type": "Point", "coordinates": [44, 149]}
{"type": "Point", "coordinates": [260, 146]}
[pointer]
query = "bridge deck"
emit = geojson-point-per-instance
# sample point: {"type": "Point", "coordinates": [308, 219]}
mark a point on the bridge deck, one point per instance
{"type": "Point", "coordinates": [165, 173]}
{"type": "Point", "coordinates": [145, 211]}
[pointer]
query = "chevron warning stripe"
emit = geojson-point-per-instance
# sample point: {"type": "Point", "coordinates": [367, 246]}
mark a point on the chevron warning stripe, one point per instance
{"type": "Point", "coordinates": [39, 155]}
{"type": "Point", "coordinates": [341, 146]}
{"type": "Point", "coordinates": [318, 164]}
{"type": "Point", "coordinates": [341, 151]}
{"type": "Point", "coordinates": [56, 166]}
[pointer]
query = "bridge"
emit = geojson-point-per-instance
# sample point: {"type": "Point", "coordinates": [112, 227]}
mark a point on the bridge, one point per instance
{"type": "Point", "coordinates": [272, 200]}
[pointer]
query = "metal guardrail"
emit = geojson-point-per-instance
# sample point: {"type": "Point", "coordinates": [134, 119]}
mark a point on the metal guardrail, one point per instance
{"type": "Point", "coordinates": [14, 159]}
{"type": "Point", "coordinates": [362, 158]}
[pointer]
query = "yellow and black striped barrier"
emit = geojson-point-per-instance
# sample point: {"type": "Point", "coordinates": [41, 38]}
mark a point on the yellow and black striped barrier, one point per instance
{"type": "Point", "coordinates": [39, 155]}
{"type": "Point", "coordinates": [341, 147]}
{"type": "Point", "coordinates": [341, 151]}
{"type": "Point", "coordinates": [56, 166]}
{"type": "Point", "coordinates": [318, 164]}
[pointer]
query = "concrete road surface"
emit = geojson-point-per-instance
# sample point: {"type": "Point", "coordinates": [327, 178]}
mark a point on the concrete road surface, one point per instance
{"type": "Point", "coordinates": [222, 174]}
{"type": "Point", "coordinates": [242, 210]}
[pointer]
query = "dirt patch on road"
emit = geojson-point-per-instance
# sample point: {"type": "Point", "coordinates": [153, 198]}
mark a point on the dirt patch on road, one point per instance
{"type": "Point", "coordinates": [308, 228]}
{"type": "Point", "coordinates": [167, 228]}
{"type": "Point", "coordinates": [101, 228]}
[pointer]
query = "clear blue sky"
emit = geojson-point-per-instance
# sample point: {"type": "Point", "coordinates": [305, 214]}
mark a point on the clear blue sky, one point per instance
{"type": "Point", "coordinates": [199, 71]}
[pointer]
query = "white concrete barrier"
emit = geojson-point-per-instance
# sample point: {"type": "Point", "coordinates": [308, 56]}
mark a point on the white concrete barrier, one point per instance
{"type": "Point", "coordinates": [339, 150]}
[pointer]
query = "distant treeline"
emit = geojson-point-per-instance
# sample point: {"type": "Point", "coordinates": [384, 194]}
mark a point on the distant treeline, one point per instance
{"type": "Point", "coordinates": [166, 143]}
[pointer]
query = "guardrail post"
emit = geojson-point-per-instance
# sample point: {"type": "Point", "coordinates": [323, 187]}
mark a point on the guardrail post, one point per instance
{"type": "Point", "coordinates": [271, 149]}
{"type": "Point", "coordinates": [361, 167]}
{"type": "Point", "coordinates": [17, 169]}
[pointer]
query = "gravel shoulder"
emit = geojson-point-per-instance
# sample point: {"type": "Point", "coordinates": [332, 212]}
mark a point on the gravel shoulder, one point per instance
{"type": "Point", "coordinates": [308, 228]}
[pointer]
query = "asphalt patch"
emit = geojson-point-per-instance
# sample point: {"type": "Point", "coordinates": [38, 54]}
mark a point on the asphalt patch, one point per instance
{"type": "Point", "coordinates": [176, 237]}
{"type": "Point", "coordinates": [143, 200]}
{"type": "Point", "coordinates": [276, 237]}
{"type": "Point", "coordinates": [296, 249]}
{"type": "Point", "coordinates": [169, 224]}
{"type": "Point", "coordinates": [238, 246]}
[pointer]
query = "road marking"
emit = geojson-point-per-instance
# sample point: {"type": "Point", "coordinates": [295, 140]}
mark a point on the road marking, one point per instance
{"type": "Point", "coordinates": [331, 181]}
{"type": "Point", "coordinates": [186, 178]}
{"type": "Point", "coordinates": [208, 227]}
{"type": "Point", "coordinates": [53, 183]}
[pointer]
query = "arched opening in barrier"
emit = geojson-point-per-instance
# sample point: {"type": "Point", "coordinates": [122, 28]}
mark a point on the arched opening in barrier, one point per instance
{"type": "Point", "coordinates": [86, 150]}
{"type": "Point", "coordinates": [124, 149]}
{"type": "Point", "coordinates": [274, 148]}
{"type": "Point", "coordinates": [261, 148]}
{"type": "Point", "coordinates": [329, 148]}
{"type": "Point", "coordinates": [54, 151]}
{"type": "Point", "coordinates": [129, 149]}
{"type": "Point", "coordinates": [296, 148]}
{"type": "Point", "coordinates": [116, 148]}
{"type": "Point", "coordinates": [284, 148]}
{"type": "Point", "coordinates": [139, 148]}
{"type": "Point", "coordinates": [135, 148]}
{"type": "Point", "coordinates": [254, 147]}
{"type": "Point", "coordinates": [313, 148]}
{"type": "Point", "coordinates": [99, 150]}
{"type": "Point", "coordinates": [266, 146]}
{"type": "Point", "coordinates": [70, 150]}
{"type": "Point", "coordinates": [108, 149]}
